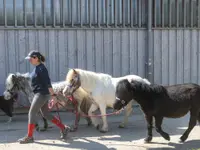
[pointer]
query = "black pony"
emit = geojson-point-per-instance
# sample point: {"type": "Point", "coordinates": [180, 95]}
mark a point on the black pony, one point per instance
{"type": "Point", "coordinates": [7, 106]}
{"type": "Point", "coordinates": [161, 101]}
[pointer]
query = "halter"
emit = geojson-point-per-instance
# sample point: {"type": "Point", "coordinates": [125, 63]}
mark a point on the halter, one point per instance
{"type": "Point", "coordinates": [122, 101]}
{"type": "Point", "coordinates": [72, 85]}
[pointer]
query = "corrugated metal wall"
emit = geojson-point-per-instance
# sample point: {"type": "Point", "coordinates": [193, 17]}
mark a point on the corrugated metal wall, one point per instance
{"type": "Point", "coordinates": [176, 56]}
{"type": "Point", "coordinates": [117, 52]}
{"type": "Point", "coordinates": [157, 39]}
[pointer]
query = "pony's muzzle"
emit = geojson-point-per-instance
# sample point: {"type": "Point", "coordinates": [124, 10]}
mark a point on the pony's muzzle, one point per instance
{"type": "Point", "coordinates": [7, 95]}
{"type": "Point", "coordinates": [65, 91]}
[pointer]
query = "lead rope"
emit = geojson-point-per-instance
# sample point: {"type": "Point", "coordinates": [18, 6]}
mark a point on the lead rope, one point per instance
{"type": "Point", "coordinates": [76, 111]}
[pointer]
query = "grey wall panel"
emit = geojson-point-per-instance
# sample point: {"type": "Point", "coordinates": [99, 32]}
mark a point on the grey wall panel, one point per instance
{"type": "Point", "coordinates": [116, 52]}
{"type": "Point", "coordinates": [176, 56]}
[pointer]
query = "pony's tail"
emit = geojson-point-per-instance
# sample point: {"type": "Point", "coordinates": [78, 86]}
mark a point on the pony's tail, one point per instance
{"type": "Point", "coordinates": [146, 81]}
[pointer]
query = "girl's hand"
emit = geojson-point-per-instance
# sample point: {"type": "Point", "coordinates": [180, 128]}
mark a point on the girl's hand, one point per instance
{"type": "Point", "coordinates": [53, 96]}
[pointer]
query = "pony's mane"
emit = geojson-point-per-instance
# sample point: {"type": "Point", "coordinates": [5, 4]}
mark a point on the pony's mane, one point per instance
{"type": "Point", "coordinates": [89, 77]}
{"type": "Point", "coordinates": [153, 88]}
{"type": "Point", "coordinates": [86, 73]}
{"type": "Point", "coordinates": [58, 86]}
{"type": "Point", "coordinates": [23, 77]}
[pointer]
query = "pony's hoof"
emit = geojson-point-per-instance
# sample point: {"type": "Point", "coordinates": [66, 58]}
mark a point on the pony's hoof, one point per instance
{"type": "Point", "coordinates": [182, 139]}
{"type": "Point", "coordinates": [121, 126]}
{"type": "Point", "coordinates": [98, 127]}
{"type": "Point", "coordinates": [73, 129]}
{"type": "Point", "coordinates": [46, 126]}
{"type": "Point", "coordinates": [37, 128]}
{"type": "Point", "coordinates": [42, 130]}
{"type": "Point", "coordinates": [148, 139]}
{"type": "Point", "coordinates": [103, 131]}
{"type": "Point", "coordinates": [89, 122]}
{"type": "Point", "coordinates": [167, 137]}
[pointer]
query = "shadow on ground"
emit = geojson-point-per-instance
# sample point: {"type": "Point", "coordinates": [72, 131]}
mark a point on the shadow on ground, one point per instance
{"type": "Point", "coordinates": [88, 137]}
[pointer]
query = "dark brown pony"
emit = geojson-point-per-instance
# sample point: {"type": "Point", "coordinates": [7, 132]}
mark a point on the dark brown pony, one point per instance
{"type": "Point", "coordinates": [161, 101]}
{"type": "Point", "coordinates": [7, 106]}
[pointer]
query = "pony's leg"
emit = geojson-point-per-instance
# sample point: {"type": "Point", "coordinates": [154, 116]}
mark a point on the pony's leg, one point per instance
{"type": "Point", "coordinates": [37, 127]}
{"type": "Point", "coordinates": [89, 121]}
{"type": "Point", "coordinates": [192, 123]}
{"type": "Point", "coordinates": [128, 110]}
{"type": "Point", "coordinates": [104, 128]}
{"type": "Point", "coordinates": [94, 120]}
{"type": "Point", "coordinates": [199, 118]}
{"type": "Point", "coordinates": [9, 120]}
{"type": "Point", "coordinates": [149, 120]}
{"type": "Point", "coordinates": [45, 123]}
{"type": "Point", "coordinates": [158, 121]}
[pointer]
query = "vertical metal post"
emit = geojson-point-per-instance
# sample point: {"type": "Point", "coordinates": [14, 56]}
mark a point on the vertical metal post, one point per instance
{"type": "Point", "coordinates": [184, 13]}
{"type": "Point", "coordinates": [25, 17]}
{"type": "Point", "coordinates": [177, 13]}
{"type": "Point", "coordinates": [123, 13]}
{"type": "Point", "coordinates": [139, 7]}
{"type": "Point", "coordinates": [54, 12]}
{"type": "Point", "coordinates": [14, 12]}
{"type": "Point", "coordinates": [63, 13]}
{"type": "Point", "coordinates": [107, 13]}
{"type": "Point", "coordinates": [198, 15]}
{"type": "Point", "coordinates": [169, 11]}
{"type": "Point", "coordinates": [191, 11]}
{"type": "Point", "coordinates": [162, 14]}
{"type": "Point", "coordinates": [44, 13]}
{"type": "Point", "coordinates": [81, 19]}
{"type": "Point", "coordinates": [131, 16]}
{"type": "Point", "coordinates": [72, 7]}
{"type": "Point", "coordinates": [34, 13]}
{"type": "Point", "coordinates": [149, 49]}
{"type": "Point", "coordinates": [155, 12]}
{"type": "Point", "coordinates": [98, 13]}
{"type": "Point", "coordinates": [89, 12]}
{"type": "Point", "coordinates": [115, 13]}
{"type": "Point", "coordinates": [5, 14]}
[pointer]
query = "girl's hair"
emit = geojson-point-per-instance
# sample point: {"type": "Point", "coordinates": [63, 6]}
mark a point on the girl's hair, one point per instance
{"type": "Point", "coordinates": [42, 58]}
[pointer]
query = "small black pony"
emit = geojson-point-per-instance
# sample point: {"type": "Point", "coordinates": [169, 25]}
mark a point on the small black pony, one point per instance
{"type": "Point", "coordinates": [161, 101]}
{"type": "Point", "coordinates": [7, 106]}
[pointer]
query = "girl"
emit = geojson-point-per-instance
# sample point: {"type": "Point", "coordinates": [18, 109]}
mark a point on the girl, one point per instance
{"type": "Point", "coordinates": [42, 89]}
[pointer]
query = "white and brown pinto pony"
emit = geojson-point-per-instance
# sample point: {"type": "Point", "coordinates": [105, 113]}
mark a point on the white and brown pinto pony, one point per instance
{"type": "Point", "coordinates": [102, 88]}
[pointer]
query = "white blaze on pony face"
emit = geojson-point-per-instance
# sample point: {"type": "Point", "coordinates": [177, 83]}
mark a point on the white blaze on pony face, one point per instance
{"type": "Point", "coordinates": [9, 85]}
{"type": "Point", "coordinates": [72, 81]}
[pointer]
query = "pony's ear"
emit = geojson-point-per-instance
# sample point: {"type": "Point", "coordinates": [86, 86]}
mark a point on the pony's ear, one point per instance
{"type": "Point", "coordinates": [75, 71]}
{"type": "Point", "coordinates": [127, 84]}
{"type": "Point", "coordinates": [14, 77]}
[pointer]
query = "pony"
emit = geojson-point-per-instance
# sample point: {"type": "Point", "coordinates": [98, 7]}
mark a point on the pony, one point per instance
{"type": "Point", "coordinates": [157, 101]}
{"type": "Point", "coordinates": [83, 98]}
{"type": "Point", "coordinates": [7, 106]}
{"type": "Point", "coordinates": [21, 82]}
{"type": "Point", "coordinates": [102, 89]}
